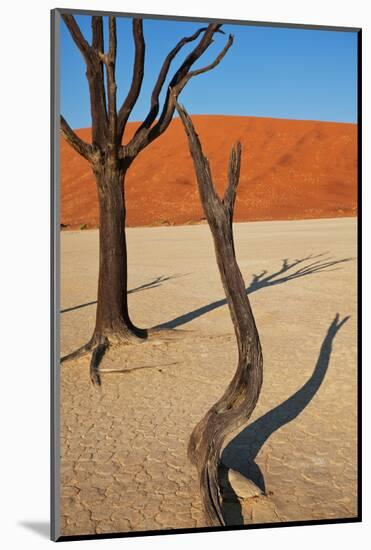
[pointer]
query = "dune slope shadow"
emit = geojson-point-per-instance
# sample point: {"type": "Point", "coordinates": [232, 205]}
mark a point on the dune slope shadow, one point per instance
{"type": "Point", "coordinates": [241, 452]}
{"type": "Point", "coordinates": [288, 271]}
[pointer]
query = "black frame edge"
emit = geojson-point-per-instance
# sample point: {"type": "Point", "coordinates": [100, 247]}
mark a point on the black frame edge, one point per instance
{"type": "Point", "coordinates": [190, 18]}
{"type": "Point", "coordinates": [308, 523]}
{"type": "Point", "coordinates": [54, 277]}
{"type": "Point", "coordinates": [359, 270]}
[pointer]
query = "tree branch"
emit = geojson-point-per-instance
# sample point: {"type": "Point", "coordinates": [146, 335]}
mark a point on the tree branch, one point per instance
{"type": "Point", "coordinates": [202, 166]}
{"type": "Point", "coordinates": [112, 39]}
{"type": "Point", "coordinates": [137, 79]}
{"type": "Point", "coordinates": [98, 45]}
{"type": "Point", "coordinates": [111, 81]}
{"type": "Point", "coordinates": [234, 167]}
{"type": "Point", "coordinates": [215, 62]}
{"type": "Point", "coordinates": [97, 33]}
{"type": "Point", "coordinates": [195, 53]}
{"type": "Point", "coordinates": [78, 37]}
{"type": "Point", "coordinates": [162, 77]}
{"type": "Point", "coordinates": [79, 145]}
{"type": "Point", "coordinates": [177, 84]}
{"type": "Point", "coordinates": [179, 80]}
{"type": "Point", "coordinates": [94, 73]}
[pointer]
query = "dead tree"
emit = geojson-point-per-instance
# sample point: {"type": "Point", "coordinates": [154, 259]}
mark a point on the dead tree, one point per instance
{"type": "Point", "coordinates": [110, 160]}
{"type": "Point", "coordinates": [239, 400]}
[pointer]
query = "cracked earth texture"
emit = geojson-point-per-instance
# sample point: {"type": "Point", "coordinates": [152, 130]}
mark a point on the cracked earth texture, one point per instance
{"type": "Point", "coordinates": [123, 446]}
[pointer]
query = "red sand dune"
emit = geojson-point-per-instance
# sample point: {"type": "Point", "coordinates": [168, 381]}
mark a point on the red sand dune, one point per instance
{"type": "Point", "coordinates": [290, 169]}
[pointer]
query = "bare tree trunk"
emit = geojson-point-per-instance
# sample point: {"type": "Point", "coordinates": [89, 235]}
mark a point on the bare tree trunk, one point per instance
{"type": "Point", "coordinates": [112, 322]}
{"type": "Point", "coordinates": [112, 317]}
{"type": "Point", "coordinates": [237, 403]}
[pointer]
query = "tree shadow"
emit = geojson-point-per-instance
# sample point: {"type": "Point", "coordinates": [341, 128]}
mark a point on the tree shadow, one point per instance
{"type": "Point", "coordinates": [288, 271]}
{"type": "Point", "coordinates": [152, 284]}
{"type": "Point", "coordinates": [241, 452]}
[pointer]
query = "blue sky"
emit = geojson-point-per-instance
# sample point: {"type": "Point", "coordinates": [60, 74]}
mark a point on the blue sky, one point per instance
{"type": "Point", "coordinates": [268, 72]}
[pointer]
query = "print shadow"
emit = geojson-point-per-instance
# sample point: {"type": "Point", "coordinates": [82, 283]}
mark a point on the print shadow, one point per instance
{"type": "Point", "coordinates": [42, 528]}
{"type": "Point", "coordinates": [241, 452]}
{"type": "Point", "coordinates": [288, 271]}
{"type": "Point", "coordinates": [152, 284]}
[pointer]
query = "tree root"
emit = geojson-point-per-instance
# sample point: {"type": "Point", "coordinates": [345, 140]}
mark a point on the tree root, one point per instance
{"type": "Point", "coordinates": [97, 348]}
{"type": "Point", "coordinates": [132, 369]}
{"type": "Point", "coordinates": [80, 352]}
{"type": "Point", "coordinates": [98, 345]}
{"type": "Point", "coordinates": [96, 358]}
{"type": "Point", "coordinates": [160, 335]}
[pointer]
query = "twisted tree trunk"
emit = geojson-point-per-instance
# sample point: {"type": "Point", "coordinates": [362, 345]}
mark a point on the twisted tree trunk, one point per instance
{"type": "Point", "coordinates": [237, 403]}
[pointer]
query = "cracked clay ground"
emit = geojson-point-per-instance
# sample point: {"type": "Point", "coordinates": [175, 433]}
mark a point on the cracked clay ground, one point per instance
{"type": "Point", "coordinates": [123, 447]}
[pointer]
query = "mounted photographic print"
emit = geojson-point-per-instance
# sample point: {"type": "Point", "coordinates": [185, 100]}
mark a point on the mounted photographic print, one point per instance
{"type": "Point", "coordinates": [205, 185]}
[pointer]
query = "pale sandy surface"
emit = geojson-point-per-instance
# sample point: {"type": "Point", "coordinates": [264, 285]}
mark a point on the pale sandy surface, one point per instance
{"type": "Point", "coordinates": [124, 464]}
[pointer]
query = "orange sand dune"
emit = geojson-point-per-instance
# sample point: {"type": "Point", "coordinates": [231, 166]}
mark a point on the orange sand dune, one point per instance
{"type": "Point", "coordinates": [290, 169]}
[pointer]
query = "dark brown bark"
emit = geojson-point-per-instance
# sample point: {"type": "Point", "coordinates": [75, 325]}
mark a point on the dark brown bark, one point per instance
{"type": "Point", "coordinates": [237, 403]}
{"type": "Point", "coordinates": [98, 45]}
{"type": "Point", "coordinates": [155, 96]}
{"type": "Point", "coordinates": [112, 317]}
{"type": "Point", "coordinates": [113, 324]}
{"type": "Point", "coordinates": [84, 149]}
{"type": "Point", "coordinates": [110, 160]}
{"type": "Point", "coordinates": [137, 79]}
{"type": "Point", "coordinates": [147, 133]}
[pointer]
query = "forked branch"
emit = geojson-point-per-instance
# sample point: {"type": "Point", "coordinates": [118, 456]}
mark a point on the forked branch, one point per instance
{"type": "Point", "coordinates": [80, 146]}
{"type": "Point", "coordinates": [92, 55]}
{"type": "Point", "coordinates": [78, 37]}
{"type": "Point", "coordinates": [147, 133]}
{"type": "Point", "coordinates": [216, 61]}
{"type": "Point", "coordinates": [234, 167]}
{"type": "Point", "coordinates": [180, 79]}
{"type": "Point", "coordinates": [154, 109]}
